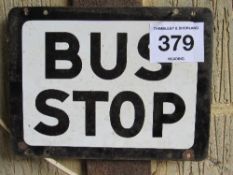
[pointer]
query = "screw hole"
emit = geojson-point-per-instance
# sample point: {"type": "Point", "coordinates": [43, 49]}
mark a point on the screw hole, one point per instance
{"type": "Point", "coordinates": [22, 146]}
{"type": "Point", "coordinates": [46, 152]}
{"type": "Point", "coordinates": [26, 11]}
{"type": "Point", "coordinates": [188, 155]}
{"type": "Point", "coordinates": [193, 13]}
{"type": "Point", "coordinates": [175, 12]}
{"type": "Point", "coordinates": [28, 152]}
{"type": "Point", "coordinates": [45, 12]}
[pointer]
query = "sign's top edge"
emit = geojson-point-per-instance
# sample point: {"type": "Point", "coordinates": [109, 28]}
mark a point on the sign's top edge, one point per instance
{"type": "Point", "coordinates": [112, 8]}
{"type": "Point", "coordinates": [175, 11]}
{"type": "Point", "coordinates": [18, 15]}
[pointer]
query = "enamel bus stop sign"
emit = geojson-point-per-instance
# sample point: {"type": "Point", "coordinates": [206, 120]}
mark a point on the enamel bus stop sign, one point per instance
{"type": "Point", "coordinates": [129, 83]}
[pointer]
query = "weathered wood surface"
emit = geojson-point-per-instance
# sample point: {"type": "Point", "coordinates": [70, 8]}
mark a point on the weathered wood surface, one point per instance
{"type": "Point", "coordinates": [107, 3]}
{"type": "Point", "coordinates": [95, 167]}
{"type": "Point", "coordinates": [220, 159]}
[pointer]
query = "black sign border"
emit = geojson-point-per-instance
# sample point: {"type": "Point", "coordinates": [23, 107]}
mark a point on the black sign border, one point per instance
{"type": "Point", "coordinates": [18, 16]}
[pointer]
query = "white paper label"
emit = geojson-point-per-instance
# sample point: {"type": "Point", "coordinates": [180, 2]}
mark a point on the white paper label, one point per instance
{"type": "Point", "coordinates": [181, 81]}
{"type": "Point", "coordinates": [176, 42]}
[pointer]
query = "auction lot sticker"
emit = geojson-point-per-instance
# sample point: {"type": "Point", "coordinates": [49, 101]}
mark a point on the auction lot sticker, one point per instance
{"type": "Point", "coordinates": [82, 83]}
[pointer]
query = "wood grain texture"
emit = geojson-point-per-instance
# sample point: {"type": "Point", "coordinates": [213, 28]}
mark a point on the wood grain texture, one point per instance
{"type": "Point", "coordinates": [220, 158]}
{"type": "Point", "coordinates": [107, 3]}
{"type": "Point", "coordinates": [95, 167]}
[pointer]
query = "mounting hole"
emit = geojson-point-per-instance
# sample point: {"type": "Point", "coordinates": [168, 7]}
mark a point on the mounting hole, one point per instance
{"type": "Point", "coordinates": [26, 11]}
{"type": "Point", "coordinates": [175, 12]}
{"type": "Point", "coordinates": [46, 152]}
{"type": "Point", "coordinates": [28, 152]}
{"type": "Point", "coordinates": [22, 146]}
{"type": "Point", "coordinates": [45, 12]}
{"type": "Point", "coordinates": [188, 155]}
{"type": "Point", "coordinates": [193, 13]}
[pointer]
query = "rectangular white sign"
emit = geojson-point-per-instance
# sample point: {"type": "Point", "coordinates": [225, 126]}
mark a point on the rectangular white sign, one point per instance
{"type": "Point", "coordinates": [91, 84]}
{"type": "Point", "coordinates": [176, 41]}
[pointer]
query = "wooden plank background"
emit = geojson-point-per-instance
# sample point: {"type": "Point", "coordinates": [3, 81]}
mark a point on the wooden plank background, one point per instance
{"type": "Point", "coordinates": [220, 159]}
